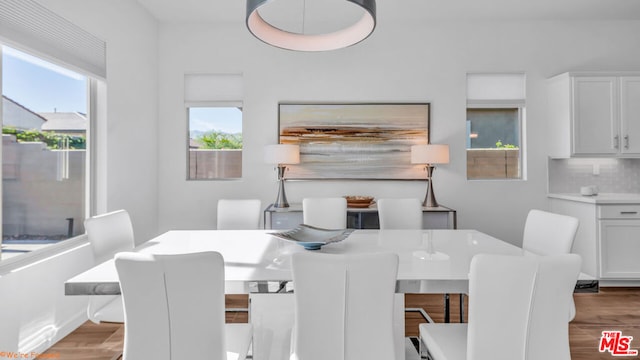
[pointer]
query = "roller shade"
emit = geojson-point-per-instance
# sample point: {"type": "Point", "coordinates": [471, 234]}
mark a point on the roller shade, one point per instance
{"type": "Point", "coordinates": [203, 88]}
{"type": "Point", "coordinates": [28, 25]}
{"type": "Point", "coordinates": [495, 87]}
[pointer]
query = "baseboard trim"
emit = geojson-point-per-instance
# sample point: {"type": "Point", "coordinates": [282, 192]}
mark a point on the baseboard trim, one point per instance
{"type": "Point", "coordinates": [42, 340]}
{"type": "Point", "coordinates": [619, 283]}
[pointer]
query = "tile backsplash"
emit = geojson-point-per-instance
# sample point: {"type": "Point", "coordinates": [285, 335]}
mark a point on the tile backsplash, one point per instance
{"type": "Point", "coordinates": [609, 175]}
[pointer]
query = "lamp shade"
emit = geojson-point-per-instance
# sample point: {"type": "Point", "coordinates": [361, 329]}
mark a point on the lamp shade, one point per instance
{"type": "Point", "coordinates": [430, 154]}
{"type": "Point", "coordinates": [282, 154]}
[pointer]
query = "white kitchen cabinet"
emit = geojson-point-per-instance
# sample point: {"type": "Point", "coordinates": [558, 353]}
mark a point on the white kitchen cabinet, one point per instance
{"type": "Point", "coordinates": [630, 114]}
{"type": "Point", "coordinates": [608, 237]}
{"type": "Point", "coordinates": [619, 227]}
{"type": "Point", "coordinates": [594, 114]}
{"type": "Point", "coordinates": [595, 118]}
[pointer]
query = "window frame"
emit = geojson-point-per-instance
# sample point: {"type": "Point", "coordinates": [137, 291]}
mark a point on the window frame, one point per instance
{"type": "Point", "coordinates": [520, 105]}
{"type": "Point", "coordinates": [92, 87]}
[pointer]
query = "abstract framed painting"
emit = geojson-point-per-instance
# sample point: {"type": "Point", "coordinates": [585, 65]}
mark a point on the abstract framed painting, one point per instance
{"type": "Point", "coordinates": [355, 141]}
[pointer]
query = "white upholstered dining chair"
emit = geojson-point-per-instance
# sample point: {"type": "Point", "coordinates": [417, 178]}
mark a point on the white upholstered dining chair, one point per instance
{"type": "Point", "coordinates": [405, 214]}
{"type": "Point", "coordinates": [547, 233]}
{"type": "Point", "coordinates": [327, 213]}
{"type": "Point", "coordinates": [344, 306]}
{"type": "Point", "coordinates": [238, 214]}
{"type": "Point", "coordinates": [548, 327]}
{"type": "Point", "coordinates": [108, 234]}
{"type": "Point", "coordinates": [516, 306]}
{"type": "Point", "coordinates": [174, 308]}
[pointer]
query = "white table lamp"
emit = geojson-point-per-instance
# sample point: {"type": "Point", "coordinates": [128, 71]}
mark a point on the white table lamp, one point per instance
{"type": "Point", "coordinates": [429, 155]}
{"type": "Point", "coordinates": [281, 155]}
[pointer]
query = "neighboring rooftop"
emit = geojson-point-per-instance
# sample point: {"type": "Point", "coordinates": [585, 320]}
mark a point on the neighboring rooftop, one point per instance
{"type": "Point", "coordinates": [18, 116]}
{"type": "Point", "coordinates": [64, 121]}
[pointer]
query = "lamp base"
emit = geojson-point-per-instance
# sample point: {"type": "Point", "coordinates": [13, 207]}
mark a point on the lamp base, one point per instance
{"type": "Point", "coordinates": [281, 199]}
{"type": "Point", "coordinates": [430, 197]}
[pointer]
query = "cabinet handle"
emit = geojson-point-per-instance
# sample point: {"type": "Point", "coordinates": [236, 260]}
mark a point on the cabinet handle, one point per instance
{"type": "Point", "coordinates": [628, 212]}
{"type": "Point", "coordinates": [616, 142]}
{"type": "Point", "coordinates": [626, 141]}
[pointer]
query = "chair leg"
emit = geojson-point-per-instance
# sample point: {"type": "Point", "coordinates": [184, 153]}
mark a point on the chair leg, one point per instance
{"type": "Point", "coordinates": [461, 308]}
{"type": "Point", "coordinates": [447, 308]}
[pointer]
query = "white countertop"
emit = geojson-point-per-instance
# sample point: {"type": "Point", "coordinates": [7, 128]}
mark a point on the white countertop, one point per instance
{"type": "Point", "coordinates": [600, 199]}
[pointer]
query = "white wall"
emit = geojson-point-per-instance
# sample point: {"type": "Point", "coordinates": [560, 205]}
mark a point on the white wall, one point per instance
{"type": "Point", "coordinates": [35, 312]}
{"type": "Point", "coordinates": [425, 61]}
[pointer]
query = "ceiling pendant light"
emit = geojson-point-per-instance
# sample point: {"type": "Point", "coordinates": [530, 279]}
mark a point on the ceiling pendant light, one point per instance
{"type": "Point", "coordinates": [341, 38]}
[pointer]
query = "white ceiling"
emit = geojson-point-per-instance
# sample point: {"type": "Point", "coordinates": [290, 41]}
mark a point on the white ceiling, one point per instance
{"type": "Point", "coordinates": [207, 11]}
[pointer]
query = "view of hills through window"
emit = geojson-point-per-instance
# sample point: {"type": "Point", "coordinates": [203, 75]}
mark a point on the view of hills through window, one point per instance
{"type": "Point", "coordinates": [215, 142]}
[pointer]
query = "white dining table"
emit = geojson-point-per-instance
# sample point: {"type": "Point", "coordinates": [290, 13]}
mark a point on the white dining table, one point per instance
{"type": "Point", "coordinates": [439, 257]}
{"type": "Point", "coordinates": [431, 261]}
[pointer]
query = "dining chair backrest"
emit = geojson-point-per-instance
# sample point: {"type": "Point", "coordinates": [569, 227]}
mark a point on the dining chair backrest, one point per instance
{"type": "Point", "coordinates": [344, 306]}
{"type": "Point", "coordinates": [109, 234]}
{"type": "Point", "coordinates": [400, 214]}
{"type": "Point", "coordinates": [500, 292]}
{"type": "Point", "coordinates": [547, 233]}
{"type": "Point", "coordinates": [174, 305]}
{"type": "Point", "coordinates": [327, 213]}
{"type": "Point", "coordinates": [517, 311]}
{"type": "Point", "coordinates": [548, 326]}
{"type": "Point", "coordinates": [238, 214]}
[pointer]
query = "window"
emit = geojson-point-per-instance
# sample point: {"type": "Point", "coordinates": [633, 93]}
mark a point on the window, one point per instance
{"type": "Point", "coordinates": [44, 147]}
{"type": "Point", "coordinates": [493, 146]}
{"type": "Point", "coordinates": [215, 142]}
{"type": "Point", "coordinates": [214, 116]}
{"type": "Point", "coordinates": [495, 119]}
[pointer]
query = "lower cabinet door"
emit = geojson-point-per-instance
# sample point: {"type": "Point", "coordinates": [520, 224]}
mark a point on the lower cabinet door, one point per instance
{"type": "Point", "coordinates": [620, 249]}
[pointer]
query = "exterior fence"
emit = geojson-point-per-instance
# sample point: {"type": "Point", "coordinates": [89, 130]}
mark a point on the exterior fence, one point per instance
{"type": "Point", "coordinates": [493, 163]}
{"type": "Point", "coordinates": [43, 191]}
{"type": "Point", "coordinates": [215, 164]}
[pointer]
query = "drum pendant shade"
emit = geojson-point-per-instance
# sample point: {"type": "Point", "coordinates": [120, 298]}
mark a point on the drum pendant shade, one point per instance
{"type": "Point", "coordinates": [341, 38]}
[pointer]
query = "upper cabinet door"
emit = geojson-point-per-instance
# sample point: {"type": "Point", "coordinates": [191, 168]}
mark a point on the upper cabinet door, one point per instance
{"type": "Point", "coordinates": [595, 118]}
{"type": "Point", "coordinates": [630, 114]}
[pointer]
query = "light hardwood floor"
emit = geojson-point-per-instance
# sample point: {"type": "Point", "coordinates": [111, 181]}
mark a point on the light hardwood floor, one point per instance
{"type": "Point", "coordinates": [610, 309]}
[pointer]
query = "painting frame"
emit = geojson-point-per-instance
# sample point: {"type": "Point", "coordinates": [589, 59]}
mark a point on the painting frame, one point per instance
{"type": "Point", "coordinates": [354, 141]}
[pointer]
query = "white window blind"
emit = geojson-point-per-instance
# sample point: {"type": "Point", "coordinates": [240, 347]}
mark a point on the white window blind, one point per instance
{"type": "Point", "coordinates": [483, 87]}
{"type": "Point", "coordinates": [203, 88]}
{"type": "Point", "coordinates": [29, 25]}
